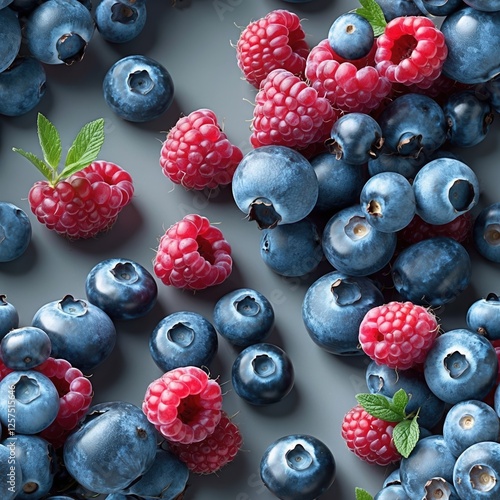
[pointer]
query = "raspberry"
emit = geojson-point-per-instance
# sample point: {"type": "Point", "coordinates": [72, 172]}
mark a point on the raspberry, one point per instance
{"type": "Point", "coordinates": [274, 41]}
{"type": "Point", "coordinates": [197, 153]}
{"type": "Point", "coordinates": [398, 334]}
{"type": "Point", "coordinates": [75, 392]}
{"type": "Point", "coordinates": [411, 50]}
{"type": "Point", "coordinates": [369, 438]}
{"type": "Point", "coordinates": [84, 204]}
{"type": "Point", "coordinates": [215, 451]}
{"type": "Point", "coordinates": [348, 86]}
{"type": "Point", "coordinates": [193, 254]}
{"type": "Point", "coordinates": [288, 112]}
{"type": "Point", "coordinates": [184, 405]}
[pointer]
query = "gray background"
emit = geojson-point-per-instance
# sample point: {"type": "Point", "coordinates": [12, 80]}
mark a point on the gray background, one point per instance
{"type": "Point", "coordinates": [195, 45]}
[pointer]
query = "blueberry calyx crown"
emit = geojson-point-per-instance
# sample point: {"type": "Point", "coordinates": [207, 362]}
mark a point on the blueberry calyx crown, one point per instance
{"type": "Point", "coordinates": [263, 212]}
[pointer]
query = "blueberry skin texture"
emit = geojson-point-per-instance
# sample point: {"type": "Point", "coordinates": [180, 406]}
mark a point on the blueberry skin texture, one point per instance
{"type": "Point", "coordinates": [35, 399]}
{"type": "Point", "coordinates": [470, 422]}
{"type": "Point", "coordinates": [79, 332]}
{"type": "Point", "coordinates": [275, 185]}
{"type": "Point", "coordinates": [351, 36]}
{"type": "Point", "coordinates": [476, 472]}
{"type": "Point", "coordinates": [391, 161]}
{"type": "Point", "coordinates": [262, 374]}
{"type": "Point", "coordinates": [22, 86]}
{"type": "Point", "coordinates": [388, 202]}
{"type": "Point", "coordinates": [392, 492]}
{"type": "Point", "coordinates": [35, 458]}
{"type": "Point", "coordinates": [292, 250]}
{"type": "Point", "coordinates": [138, 88]}
{"type": "Point", "coordinates": [381, 379]}
{"type": "Point", "coordinates": [183, 338]}
{"type": "Point", "coordinates": [470, 60]}
{"type": "Point", "coordinates": [120, 21]}
{"type": "Point", "coordinates": [439, 8]}
{"type": "Point", "coordinates": [485, 5]}
{"type": "Point", "coordinates": [461, 365]}
{"type": "Point", "coordinates": [12, 483]}
{"type": "Point", "coordinates": [483, 317]}
{"type": "Point", "coordinates": [10, 37]}
{"type": "Point", "coordinates": [15, 232]}
{"type": "Point", "coordinates": [333, 308]}
{"type": "Point", "coordinates": [244, 317]}
{"type": "Point", "coordinates": [24, 348]}
{"type": "Point", "coordinates": [298, 467]}
{"type": "Point", "coordinates": [124, 289]}
{"type": "Point", "coordinates": [486, 232]}
{"type": "Point", "coordinates": [442, 282]}
{"type": "Point", "coordinates": [58, 31]}
{"type": "Point", "coordinates": [355, 247]}
{"type": "Point", "coordinates": [398, 8]}
{"type": "Point", "coordinates": [9, 317]}
{"type": "Point", "coordinates": [340, 183]}
{"type": "Point", "coordinates": [112, 447]}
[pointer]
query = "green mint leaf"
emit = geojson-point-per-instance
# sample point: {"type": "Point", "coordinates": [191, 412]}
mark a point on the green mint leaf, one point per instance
{"type": "Point", "coordinates": [380, 407]}
{"type": "Point", "coordinates": [405, 436]}
{"type": "Point", "coordinates": [374, 14]}
{"type": "Point", "coordinates": [45, 170]}
{"type": "Point", "coordinates": [400, 400]}
{"type": "Point", "coordinates": [50, 141]}
{"type": "Point", "coordinates": [362, 494]}
{"type": "Point", "coordinates": [85, 148]}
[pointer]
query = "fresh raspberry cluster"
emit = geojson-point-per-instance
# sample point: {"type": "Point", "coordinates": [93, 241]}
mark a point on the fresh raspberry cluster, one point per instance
{"type": "Point", "coordinates": [193, 254]}
{"type": "Point", "coordinates": [84, 204]}
{"type": "Point", "coordinates": [197, 154]}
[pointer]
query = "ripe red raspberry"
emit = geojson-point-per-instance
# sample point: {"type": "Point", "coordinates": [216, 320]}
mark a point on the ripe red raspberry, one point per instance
{"type": "Point", "coordinates": [369, 438]}
{"type": "Point", "coordinates": [398, 334]}
{"type": "Point", "coordinates": [184, 404]}
{"type": "Point", "coordinates": [193, 254]}
{"type": "Point", "coordinates": [84, 204]}
{"type": "Point", "coordinates": [75, 393]}
{"type": "Point", "coordinates": [411, 50]}
{"type": "Point", "coordinates": [348, 86]}
{"type": "Point", "coordinates": [274, 41]}
{"type": "Point", "coordinates": [215, 451]}
{"type": "Point", "coordinates": [288, 112]}
{"type": "Point", "coordinates": [197, 154]}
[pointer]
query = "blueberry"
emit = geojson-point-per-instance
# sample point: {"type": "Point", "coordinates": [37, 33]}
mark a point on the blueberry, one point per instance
{"type": "Point", "coordinates": [292, 249]}
{"type": "Point", "coordinates": [351, 36]}
{"type": "Point", "coordinates": [24, 348]}
{"type": "Point", "coordinates": [333, 308]}
{"type": "Point", "coordinates": [298, 467]}
{"type": "Point", "coordinates": [398, 8]}
{"type": "Point", "coordinates": [10, 37]}
{"type": "Point", "coordinates": [262, 374]}
{"type": "Point", "coordinates": [485, 5]}
{"type": "Point", "coordinates": [275, 185]}
{"type": "Point", "coordinates": [441, 282]}
{"type": "Point", "coordinates": [183, 338]}
{"type": "Point", "coordinates": [80, 332]}
{"type": "Point", "coordinates": [15, 232]}
{"type": "Point", "coordinates": [392, 161]}
{"type": "Point", "coordinates": [122, 288]}
{"type": "Point", "coordinates": [353, 246]}
{"type": "Point", "coordinates": [476, 473]}
{"type": "Point", "coordinates": [483, 317]}
{"type": "Point", "coordinates": [9, 317]}
{"type": "Point", "coordinates": [490, 90]}
{"type": "Point", "coordinates": [438, 7]}
{"type": "Point", "coordinates": [34, 398]}
{"type": "Point", "coordinates": [244, 317]}
{"type": "Point", "coordinates": [58, 31]}
{"type": "Point", "coordinates": [392, 492]}
{"type": "Point", "coordinates": [120, 21]}
{"type": "Point", "coordinates": [486, 232]}
{"type": "Point", "coordinates": [10, 471]}
{"type": "Point", "coordinates": [114, 445]}
{"type": "Point", "coordinates": [461, 365]}
{"type": "Point", "coordinates": [138, 88]}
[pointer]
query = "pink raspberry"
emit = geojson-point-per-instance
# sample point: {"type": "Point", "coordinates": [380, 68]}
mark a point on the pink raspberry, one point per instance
{"type": "Point", "coordinates": [289, 112]}
{"type": "Point", "coordinates": [84, 204]}
{"type": "Point", "coordinates": [184, 405]}
{"type": "Point", "coordinates": [369, 438]}
{"type": "Point", "coordinates": [197, 154]}
{"type": "Point", "coordinates": [215, 451]}
{"type": "Point", "coordinates": [398, 334]}
{"type": "Point", "coordinates": [348, 86]}
{"type": "Point", "coordinates": [411, 50]}
{"type": "Point", "coordinates": [193, 254]}
{"type": "Point", "coordinates": [274, 41]}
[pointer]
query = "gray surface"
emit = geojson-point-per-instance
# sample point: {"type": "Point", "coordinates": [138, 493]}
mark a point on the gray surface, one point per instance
{"type": "Point", "coordinates": [195, 46]}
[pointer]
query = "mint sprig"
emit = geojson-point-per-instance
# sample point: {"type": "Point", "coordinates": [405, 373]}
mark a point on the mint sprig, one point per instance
{"type": "Point", "coordinates": [406, 433]}
{"type": "Point", "coordinates": [362, 494]}
{"type": "Point", "coordinates": [374, 14]}
{"type": "Point", "coordinates": [82, 152]}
